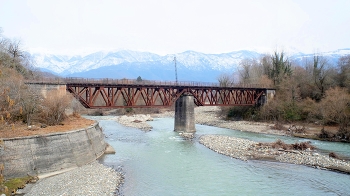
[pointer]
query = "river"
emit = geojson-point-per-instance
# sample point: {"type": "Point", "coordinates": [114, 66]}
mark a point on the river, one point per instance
{"type": "Point", "coordinates": [161, 163]}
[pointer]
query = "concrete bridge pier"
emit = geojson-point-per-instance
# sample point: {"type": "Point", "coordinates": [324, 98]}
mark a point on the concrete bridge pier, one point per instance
{"type": "Point", "coordinates": [184, 115]}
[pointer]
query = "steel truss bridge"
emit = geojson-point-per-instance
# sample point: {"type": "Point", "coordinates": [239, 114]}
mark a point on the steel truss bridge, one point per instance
{"type": "Point", "coordinates": [125, 93]}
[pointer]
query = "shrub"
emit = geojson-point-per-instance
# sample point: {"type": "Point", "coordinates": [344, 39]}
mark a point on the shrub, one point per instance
{"type": "Point", "coordinates": [279, 144]}
{"type": "Point", "coordinates": [291, 112]}
{"type": "Point", "coordinates": [242, 112]}
{"type": "Point", "coordinates": [129, 110]}
{"type": "Point", "coordinates": [54, 107]}
{"type": "Point", "coordinates": [333, 155]}
{"type": "Point", "coordinates": [334, 107]}
{"type": "Point", "coordinates": [343, 133]}
{"type": "Point", "coordinates": [278, 126]}
{"type": "Point", "coordinates": [302, 146]}
{"type": "Point", "coordinates": [325, 134]}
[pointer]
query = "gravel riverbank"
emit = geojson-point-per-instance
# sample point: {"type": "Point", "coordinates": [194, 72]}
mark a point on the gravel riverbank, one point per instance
{"type": "Point", "coordinates": [245, 149]}
{"type": "Point", "coordinates": [209, 115]}
{"type": "Point", "coordinates": [138, 121]}
{"type": "Point", "coordinates": [91, 179]}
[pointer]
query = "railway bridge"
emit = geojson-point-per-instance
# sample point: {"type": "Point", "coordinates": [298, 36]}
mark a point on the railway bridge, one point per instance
{"type": "Point", "coordinates": [125, 93]}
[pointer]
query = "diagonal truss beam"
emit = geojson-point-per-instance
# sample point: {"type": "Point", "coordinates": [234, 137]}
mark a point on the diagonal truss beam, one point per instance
{"type": "Point", "coordinates": [143, 96]}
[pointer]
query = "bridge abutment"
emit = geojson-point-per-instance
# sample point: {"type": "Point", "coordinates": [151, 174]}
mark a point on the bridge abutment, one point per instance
{"type": "Point", "coordinates": [184, 115]}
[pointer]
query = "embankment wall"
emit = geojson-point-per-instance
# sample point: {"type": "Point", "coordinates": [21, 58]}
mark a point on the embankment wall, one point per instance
{"type": "Point", "coordinates": [35, 155]}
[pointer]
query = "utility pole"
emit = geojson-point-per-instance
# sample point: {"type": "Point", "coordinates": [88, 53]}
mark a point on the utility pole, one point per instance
{"type": "Point", "coordinates": [175, 69]}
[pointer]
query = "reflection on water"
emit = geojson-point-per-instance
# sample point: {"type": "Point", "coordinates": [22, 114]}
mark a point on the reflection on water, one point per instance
{"type": "Point", "coordinates": [162, 163]}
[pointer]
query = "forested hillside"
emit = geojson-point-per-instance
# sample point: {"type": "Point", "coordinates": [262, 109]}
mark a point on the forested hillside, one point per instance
{"type": "Point", "coordinates": [312, 91]}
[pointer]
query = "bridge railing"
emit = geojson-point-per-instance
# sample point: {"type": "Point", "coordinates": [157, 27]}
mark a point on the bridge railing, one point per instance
{"type": "Point", "coordinates": [78, 80]}
{"type": "Point", "coordinates": [155, 82]}
{"type": "Point", "coordinates": [133, 81]}
{"type": "Point", "coordinates": [47, 80]}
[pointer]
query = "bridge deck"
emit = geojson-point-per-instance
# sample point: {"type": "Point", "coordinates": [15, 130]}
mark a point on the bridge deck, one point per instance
{"type": "Point", "coordinates": [125, 93]}
{"type": "Point", "coordinates": [132, 93]}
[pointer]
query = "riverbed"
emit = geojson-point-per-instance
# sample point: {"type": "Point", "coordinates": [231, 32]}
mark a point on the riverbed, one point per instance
{"type": "Point", "coordinates": [160, 162]}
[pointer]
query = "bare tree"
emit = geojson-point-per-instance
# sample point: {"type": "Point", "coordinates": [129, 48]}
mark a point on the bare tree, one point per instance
{"type": "Point", "coordinates": [322, 75]}
{"type": "Point", "coordinates": [30, 101]}
{"type": "Point", "coordinates": [3, 41]}
{"type": "Point", "coordinates": [245, 71]}
{"type": "Point", "coordinates": [344, 71]}
{"type": "Point", "coordinates": [266, 63]}
{"type": "Point", "coordinates": [225, 80]}
{"type": "Point", "coordinates": [14, 48]}
{"type": "Point", "coordinates": [251, 71]}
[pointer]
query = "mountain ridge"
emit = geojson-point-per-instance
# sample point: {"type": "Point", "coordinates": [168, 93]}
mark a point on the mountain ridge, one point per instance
{"type": "Point", "coordinates": [191, 65]}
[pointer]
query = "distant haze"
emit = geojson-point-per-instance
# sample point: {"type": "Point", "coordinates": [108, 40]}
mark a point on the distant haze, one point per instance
{"type": "Point", "coordinates": [191, 65]}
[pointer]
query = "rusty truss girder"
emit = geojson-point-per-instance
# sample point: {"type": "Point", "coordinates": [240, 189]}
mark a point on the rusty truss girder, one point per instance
{"type": "Point", "coordinates": [126, 96]}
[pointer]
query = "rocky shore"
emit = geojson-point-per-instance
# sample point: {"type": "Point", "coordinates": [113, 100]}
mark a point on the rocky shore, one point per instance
{"type": "Point", "coordinates": [91, 179]}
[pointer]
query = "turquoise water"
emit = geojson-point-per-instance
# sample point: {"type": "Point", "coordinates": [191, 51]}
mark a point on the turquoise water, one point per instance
{"type": "Point", "coordinates": [162, 163]}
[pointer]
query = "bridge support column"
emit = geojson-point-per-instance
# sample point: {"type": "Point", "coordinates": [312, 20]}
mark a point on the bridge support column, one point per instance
{"type": "Point", "coordinates": [184, 115]}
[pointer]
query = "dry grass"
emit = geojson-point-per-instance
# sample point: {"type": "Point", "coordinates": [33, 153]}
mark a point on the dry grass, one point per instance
{"type": "Point", "coordinates": [21, 130]}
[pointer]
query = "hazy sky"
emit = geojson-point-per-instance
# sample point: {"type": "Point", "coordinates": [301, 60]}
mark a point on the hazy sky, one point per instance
{"type": "Point", "coordinates": [173, 26]}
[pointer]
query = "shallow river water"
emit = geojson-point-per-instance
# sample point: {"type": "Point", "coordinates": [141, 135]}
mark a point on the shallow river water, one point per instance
{"type": "Point", "coordinates": [161, 163]}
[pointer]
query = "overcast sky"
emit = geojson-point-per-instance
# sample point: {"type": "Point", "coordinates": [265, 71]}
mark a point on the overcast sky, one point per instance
{"type": "Point", "coordinates": [173, 26]}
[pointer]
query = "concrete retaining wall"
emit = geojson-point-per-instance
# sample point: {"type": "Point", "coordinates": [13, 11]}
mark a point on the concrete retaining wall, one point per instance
{"type": "Point", "coordinates": [35, 155]}
{"type": "Point", "coordinates": [45, 88]}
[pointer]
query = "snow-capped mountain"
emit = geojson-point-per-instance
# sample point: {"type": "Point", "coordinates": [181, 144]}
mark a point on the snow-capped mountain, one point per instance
{"type": "Point", "coordinates": [332, 56]}
{"type": "Point", "coordinates": [191, 65]}
{"type": "Point", "coordinates": [64, 65]}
